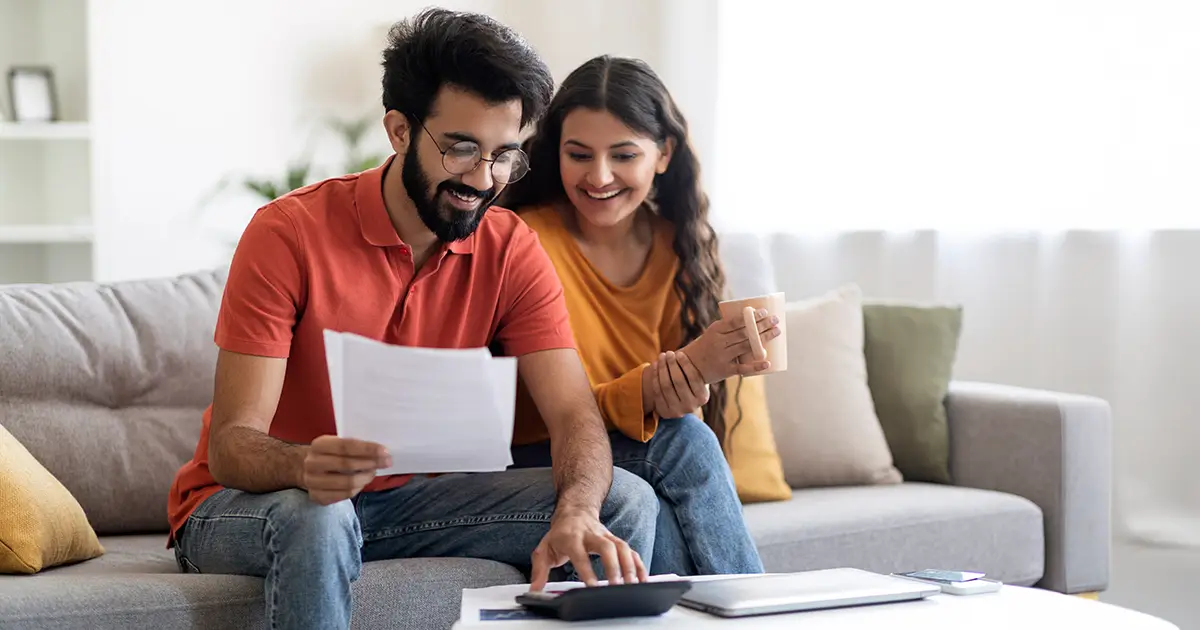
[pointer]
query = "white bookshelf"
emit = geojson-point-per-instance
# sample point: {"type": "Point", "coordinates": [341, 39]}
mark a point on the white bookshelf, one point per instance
{"type": "Point", "coordinates": [44, 131]}
{"type": "Point", "coordinates": [35, 234]}
{"type": "Point", "coordinates": [47, 219]}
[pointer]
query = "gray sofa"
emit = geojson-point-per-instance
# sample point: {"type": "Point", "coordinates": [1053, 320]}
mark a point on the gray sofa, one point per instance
{"type": "Point", "coordinates": [105, 385]}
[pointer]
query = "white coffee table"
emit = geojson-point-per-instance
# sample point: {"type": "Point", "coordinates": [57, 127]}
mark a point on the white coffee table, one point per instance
{"type": "Point", "coordinates": [1011, 608]}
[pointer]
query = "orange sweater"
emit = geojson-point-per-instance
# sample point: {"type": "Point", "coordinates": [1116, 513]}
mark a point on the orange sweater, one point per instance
{"type": "Point", "coordinates": [618, 330]}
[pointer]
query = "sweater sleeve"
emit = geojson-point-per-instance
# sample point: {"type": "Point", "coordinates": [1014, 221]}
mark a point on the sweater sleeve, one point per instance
{"type": "Point", "coordinates": [620, 401]}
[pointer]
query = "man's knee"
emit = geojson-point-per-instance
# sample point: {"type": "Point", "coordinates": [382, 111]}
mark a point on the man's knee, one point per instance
{"type": "Point", "coordinates": [297, 520]}
{"type": "Point", "coordinates": [631, 510]}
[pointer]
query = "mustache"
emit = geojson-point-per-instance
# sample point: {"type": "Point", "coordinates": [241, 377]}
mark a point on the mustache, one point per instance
{"type": "Point", "coordinates": [467, 191]}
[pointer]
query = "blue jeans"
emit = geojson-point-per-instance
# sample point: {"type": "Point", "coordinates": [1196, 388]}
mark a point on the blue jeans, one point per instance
{"type": "Point", "coordinates": [701, 529]}
{"type": "Point", "coordinates": [309, 554]}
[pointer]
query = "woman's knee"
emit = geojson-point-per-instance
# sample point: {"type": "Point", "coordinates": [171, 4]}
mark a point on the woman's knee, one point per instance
{"type": "Point", "coordinates": [692, 430]}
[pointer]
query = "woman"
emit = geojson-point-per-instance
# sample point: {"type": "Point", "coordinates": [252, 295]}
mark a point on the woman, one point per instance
{"type": "Point", "coordinates": [615, 197]}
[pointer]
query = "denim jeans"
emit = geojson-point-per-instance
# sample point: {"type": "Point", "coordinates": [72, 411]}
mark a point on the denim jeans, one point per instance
{"type": "Point", "coordinates": [309, 554]}
{"type": "Point", "coordinates": [701, 529]}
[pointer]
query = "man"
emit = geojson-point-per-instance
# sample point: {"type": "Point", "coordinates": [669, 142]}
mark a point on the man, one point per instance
{"type": "Point", "coordinates": [410, 254]}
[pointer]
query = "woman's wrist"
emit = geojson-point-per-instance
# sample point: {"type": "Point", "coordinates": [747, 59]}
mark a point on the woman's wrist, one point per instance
{"type": "Point", "coordinates": [648, 389]}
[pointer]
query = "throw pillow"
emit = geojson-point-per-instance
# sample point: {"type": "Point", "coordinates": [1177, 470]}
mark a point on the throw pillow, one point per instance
{"type": "Point", "coordinates": [910, 352]}
{"type": "Point", "coordinates": [750, 444]}
{"type": "Point", "coordinates": [41, 524]}
{"type": "Point", "coordinates": [821, 408]}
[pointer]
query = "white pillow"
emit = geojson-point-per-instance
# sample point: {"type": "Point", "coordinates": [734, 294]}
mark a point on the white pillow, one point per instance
{"type": "Point", "coordinates": [821, 408]}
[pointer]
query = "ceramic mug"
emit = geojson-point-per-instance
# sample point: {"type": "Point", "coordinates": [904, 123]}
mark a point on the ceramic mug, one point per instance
{"type": "Point", "coordinates": [774, 350]}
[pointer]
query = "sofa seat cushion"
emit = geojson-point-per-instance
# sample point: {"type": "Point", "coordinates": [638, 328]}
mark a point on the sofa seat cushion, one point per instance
{"type": "Point", "coordinates": [138, 585]}
{"type": "Point", "coordinates": [903, 527]}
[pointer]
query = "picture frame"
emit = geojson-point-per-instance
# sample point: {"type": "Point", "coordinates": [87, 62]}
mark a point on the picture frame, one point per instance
{"type": "Point", "coordinates": [32, 94]}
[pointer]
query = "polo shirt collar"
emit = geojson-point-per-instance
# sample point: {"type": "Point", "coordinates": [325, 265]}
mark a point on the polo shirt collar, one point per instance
{"type": "Point", "coordinates": [373, 218]}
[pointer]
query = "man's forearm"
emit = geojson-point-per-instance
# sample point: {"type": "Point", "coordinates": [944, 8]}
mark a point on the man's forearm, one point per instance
{"type": "Point", "coordinates": [246, 459]}
{"type": "Point", "coordinates": [582, 465]}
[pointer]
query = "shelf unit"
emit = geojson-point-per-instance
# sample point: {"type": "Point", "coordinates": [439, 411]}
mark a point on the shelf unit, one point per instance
{"type": "Point", "coordinates": [44, 131]}
{"type": "Point", "coordinates": [47, 219]}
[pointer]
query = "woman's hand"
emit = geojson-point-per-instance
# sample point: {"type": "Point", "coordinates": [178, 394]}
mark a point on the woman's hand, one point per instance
{"type": "Point", "coordinates": [723, 350]}
{"type": "Point", "coordinates": [675, 385]}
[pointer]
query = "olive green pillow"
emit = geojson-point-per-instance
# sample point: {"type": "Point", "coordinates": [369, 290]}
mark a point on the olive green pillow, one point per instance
{"type": "Point", "coordinates": [910, 359]}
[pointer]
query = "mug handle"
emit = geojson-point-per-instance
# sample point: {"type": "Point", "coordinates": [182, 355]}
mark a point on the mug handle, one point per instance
{"type": "Point", "coordinates": [756, 346]}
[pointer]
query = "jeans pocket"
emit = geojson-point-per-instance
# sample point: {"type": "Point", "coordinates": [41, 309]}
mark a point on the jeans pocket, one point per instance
{"type": "Point", "coordinates": [185, 565]}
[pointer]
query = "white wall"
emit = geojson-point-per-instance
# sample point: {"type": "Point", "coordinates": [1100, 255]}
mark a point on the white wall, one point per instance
{"type": "Point", "coordinates": [187, 94]}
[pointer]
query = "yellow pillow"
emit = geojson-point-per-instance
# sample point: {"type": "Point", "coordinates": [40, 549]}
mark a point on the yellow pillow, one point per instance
{"type": "Point", "coordinates": [41, 524]}
{"type": "Point", "coordinates": [750, 443]}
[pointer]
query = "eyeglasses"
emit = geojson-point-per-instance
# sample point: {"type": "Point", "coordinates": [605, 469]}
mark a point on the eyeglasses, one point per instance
{"type": "Point", "coordinates": [464, 156]}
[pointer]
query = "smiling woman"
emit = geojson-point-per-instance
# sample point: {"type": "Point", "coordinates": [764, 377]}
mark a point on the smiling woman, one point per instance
{"type": "Point", "coordinates": [616, 200]}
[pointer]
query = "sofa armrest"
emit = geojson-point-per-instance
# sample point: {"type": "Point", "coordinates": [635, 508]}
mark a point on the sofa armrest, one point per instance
{"type": "Point", "coordinates": [1052, 448]}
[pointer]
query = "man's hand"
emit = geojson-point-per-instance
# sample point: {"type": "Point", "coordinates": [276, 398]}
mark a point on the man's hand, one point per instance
{"type": "Point", "coordinates": [338, 468]}
{"type": "Point", "coordinates": [723, 349]}
{"type": "Point", "coordinates": [575, 536]}
{"type": "Point", "coordinates": [676, 385]}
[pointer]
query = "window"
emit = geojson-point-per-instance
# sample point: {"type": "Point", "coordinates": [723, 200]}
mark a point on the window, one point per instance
{"type": "Point", "coordinates": [1023, 114]}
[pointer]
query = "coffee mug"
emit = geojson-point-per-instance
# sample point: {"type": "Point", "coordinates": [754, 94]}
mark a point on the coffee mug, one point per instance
{"type": "Point", "coordinates": [774, 350]}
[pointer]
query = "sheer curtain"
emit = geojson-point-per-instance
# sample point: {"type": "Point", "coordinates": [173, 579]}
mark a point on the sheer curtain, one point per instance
{"type": "Point", "coordinates": [1034, 160]}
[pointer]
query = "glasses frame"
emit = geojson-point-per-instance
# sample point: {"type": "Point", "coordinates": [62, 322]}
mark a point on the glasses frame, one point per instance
{"type": "Point", "coordinates": [491, 161]}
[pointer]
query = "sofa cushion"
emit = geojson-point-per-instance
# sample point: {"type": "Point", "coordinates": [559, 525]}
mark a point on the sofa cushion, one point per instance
{"type": "Point", "coordinates": [822, 414]}
{"type": "Point", "coordinates": [105, 385]}
{"type": "Point", "coordinates": [750, 443]}
{"type": "Point", "coordinates": [41, 524]}
{"type": "Point", "coordinates": [902, 527]}
{"type": "Point", "coordinates": [138, 585]}
{"type": "Point", "coordinates": [910, 350]}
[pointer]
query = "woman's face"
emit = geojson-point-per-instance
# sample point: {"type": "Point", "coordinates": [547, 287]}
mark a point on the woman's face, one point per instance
{"type": "Point", "coordinates": [607, 168]}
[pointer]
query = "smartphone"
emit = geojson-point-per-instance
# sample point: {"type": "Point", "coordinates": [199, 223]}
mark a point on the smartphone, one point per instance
{"type": "Point", "coordinates": [942, 576]}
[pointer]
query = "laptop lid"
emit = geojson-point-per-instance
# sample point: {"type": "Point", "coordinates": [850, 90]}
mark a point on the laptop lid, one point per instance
{"type": "Point", "coordinates": [808, 590]}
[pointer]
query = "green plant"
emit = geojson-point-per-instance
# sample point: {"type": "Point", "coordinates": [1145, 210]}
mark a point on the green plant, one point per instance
{"type": "Point", "coordinates": [296, 176]}
{"type": "Point", "coordinates": [352, 133]}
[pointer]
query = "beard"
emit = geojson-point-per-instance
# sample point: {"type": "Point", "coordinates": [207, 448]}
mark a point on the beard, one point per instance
{"type": "Point", "coordinates": [444, 220]}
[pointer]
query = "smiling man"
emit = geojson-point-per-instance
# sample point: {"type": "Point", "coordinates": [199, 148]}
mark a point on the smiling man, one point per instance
{"type": "Point", "coordinates": [410, 253]}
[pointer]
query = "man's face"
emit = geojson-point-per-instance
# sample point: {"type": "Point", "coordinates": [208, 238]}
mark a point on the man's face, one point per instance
{"type": "Point", "coordinates": [451, 205]}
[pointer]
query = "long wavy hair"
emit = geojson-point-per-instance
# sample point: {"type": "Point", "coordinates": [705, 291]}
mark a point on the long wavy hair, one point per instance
{"type": "Point", "coordinates": [631, 91]}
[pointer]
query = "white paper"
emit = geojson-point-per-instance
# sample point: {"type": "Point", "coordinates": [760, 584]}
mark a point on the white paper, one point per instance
{"type": "Point", "coordinates": [435, 410]}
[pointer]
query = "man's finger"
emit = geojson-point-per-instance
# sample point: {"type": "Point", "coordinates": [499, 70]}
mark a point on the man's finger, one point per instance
{"type": "Point", "coordinates": [625, 555]}
{"type": "Point", "coordinates": [330, 482]}
{"type": "Point", "coordinates": [609, 558]}
{"type": "Point", "coordinates": [541, 568]}
{"type": "Point", "coordinates": [341, 484]}
{"type": "Point", "coordinates": [322, 463]}
{"type": "Point", "coordinates": [348, 447]}
{"type": "Point", "coordinates": [582, 563]}
{"type": "Point", "coordinates": [642, 573]}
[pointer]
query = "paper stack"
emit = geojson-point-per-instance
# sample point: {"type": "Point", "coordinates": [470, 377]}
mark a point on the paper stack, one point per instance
{"type": "Point", "coordinates": [435, 410]}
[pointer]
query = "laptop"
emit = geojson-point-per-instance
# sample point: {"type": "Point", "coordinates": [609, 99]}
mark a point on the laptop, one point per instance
{"type": "Point", "coordinates": [795, 592]}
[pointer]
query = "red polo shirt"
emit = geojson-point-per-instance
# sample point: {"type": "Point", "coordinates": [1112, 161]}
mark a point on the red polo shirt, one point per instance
{"type": "Point", "coordinates": [327, 256]}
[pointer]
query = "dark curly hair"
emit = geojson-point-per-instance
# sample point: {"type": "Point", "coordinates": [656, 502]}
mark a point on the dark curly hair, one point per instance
{"type": "Point", "coordinates": [437, 47]}
{"type": "Point", "coordinates": [631, 91]}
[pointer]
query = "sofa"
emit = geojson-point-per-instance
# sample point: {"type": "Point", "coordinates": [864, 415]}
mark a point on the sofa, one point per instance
{"type": "Point", "coordinates": [105, 384]}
